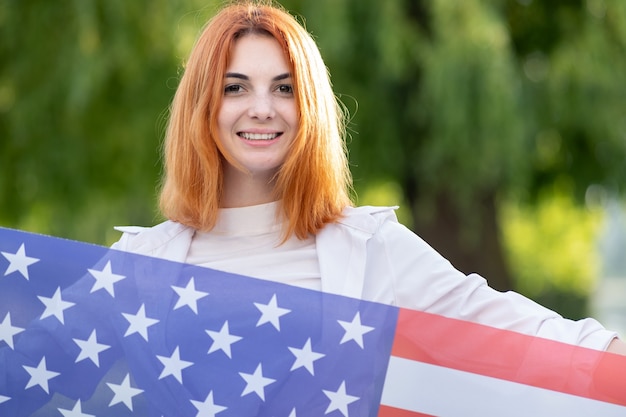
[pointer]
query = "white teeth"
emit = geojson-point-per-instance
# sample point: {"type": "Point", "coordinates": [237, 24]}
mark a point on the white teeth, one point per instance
{"type": "Point", "coordinates": [258, 136]}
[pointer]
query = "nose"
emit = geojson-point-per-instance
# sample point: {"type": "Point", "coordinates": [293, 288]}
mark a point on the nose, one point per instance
{"type": "Point", "coordinates": [261, 107]}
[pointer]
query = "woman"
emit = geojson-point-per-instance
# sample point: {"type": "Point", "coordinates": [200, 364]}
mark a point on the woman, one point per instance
{"type": "Point", "coordinates": [257, 183]}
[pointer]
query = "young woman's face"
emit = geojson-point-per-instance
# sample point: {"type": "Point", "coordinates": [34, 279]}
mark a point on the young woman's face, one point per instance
{"type": "Point", "coordinates": [258, 118]}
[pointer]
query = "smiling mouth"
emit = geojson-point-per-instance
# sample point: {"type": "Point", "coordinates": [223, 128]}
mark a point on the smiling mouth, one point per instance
{"type": "Point", "coordinates": [259, 136]}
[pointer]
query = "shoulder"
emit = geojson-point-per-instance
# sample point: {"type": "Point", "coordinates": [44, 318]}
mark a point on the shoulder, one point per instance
{"type": "Point", "coordinates": [377, 224]}
{"type": "Point", "coordinates": [370, 227]}
{"type": "Point", "coordinates": [148, 240]}
{"type": "Point", "coordinates": [367, 219]}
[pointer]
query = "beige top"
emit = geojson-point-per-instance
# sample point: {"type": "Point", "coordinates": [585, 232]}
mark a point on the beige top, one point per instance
{"type": "Point", "coordinates": [246, 241]}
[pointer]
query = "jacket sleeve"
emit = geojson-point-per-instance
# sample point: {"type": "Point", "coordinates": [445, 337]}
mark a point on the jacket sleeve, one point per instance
{"type": "Point", "coordinates": [422, 279]}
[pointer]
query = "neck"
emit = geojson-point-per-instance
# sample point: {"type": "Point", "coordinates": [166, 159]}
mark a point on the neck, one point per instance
{"type": "Point", "coordinates": [244, 189]}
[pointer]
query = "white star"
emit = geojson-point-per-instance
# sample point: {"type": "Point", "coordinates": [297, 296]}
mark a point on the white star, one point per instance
{"type": "Point", "coordinates": [173, 366]}
{"type": "Point", "coordinates": [339, 400]}
{"type": "Point", "coordinates": [293, 413]}
{"type": "Point", "coordinates": [256, 382]}
{"type": "Point", "coordinates": [124, 393]}
{"type": "Point", "coordinates": [354, 330]}
{"type": "Point", "coordinates": [55, 306]}
{"type": "Point", "coordinates": [75, 412]}
{"type": "Point", "coordinates": [271, 313]}
{"type": "Point", "coordinates": [207, 408]}
{"type": "Point", "coordinates": [305, 357]}
{"type": "Point", "coordinates": [222, 340]}
{"type": "Point", "coordinates": [18, 261]}
{"type": "Point", "coordinates": [40, 375]}
{"type": "Point", "coordinates": [7, 331]}
{"type": "Point", "coordinates": [105, 279]}
{"type": "Point", "coordinates": [4, 399]}
{"type": "Point", "coordinates": [188, 296]}
{"type": "Point", "coordinates": [139, 323]}
{"type": "Point", "coordinates": [90, 349]}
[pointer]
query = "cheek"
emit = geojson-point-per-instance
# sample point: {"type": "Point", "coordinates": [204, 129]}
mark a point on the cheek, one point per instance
{"type": "Point", "coordinates": [225, 119]}
{"type": "Point", "coordinates": [290, 114]}
{"type": "Point", "coordinates": [224, 126]}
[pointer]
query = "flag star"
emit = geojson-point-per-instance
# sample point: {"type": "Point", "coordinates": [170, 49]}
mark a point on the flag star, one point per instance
{"type": "Point", "coordinates": [207, 408]}
{"type": "Point", "coordinates": [124, 393]}
{"type": "Point", "coordinates": [90, 349]}
{"type": "Point", "coordinates": [354, 330]}
{"type": "Point", "coordinates": [75, 412]}
{"type": "Point", "coordinates": [8, 331]}
{"type": "Point", "coordinates": [188, 296]}
{"type": "Point", "coordinates": [339, 400]}
{"type": "Point", "coordinates": [305, 357]}
{"type": "Point", "coordinates": [139, 323]}
{"type": "Point", "coordinates": [18, 261]}
{"type": "Point", "coordinates": [40, 375]}
{"type": "Point", "coordinates": [4, 399]}
{"type": "Point", "coordinates": [173, 366]}
{"type": "Point", "coordinates": [256, 382]}
{"type": "Point", "coordinates": [293, 413]}
{"type": "Point", "coordinates": [55, 306]}
{"type": "Point", "coordinates": [222, 340]}
{"type": "Point", "coordinates": [271, 313]}
{"type": "Point", "coordinates": [105, 279]}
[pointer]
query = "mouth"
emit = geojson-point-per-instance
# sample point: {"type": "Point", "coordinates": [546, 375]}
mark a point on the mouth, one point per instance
{"type": "Point", "coordinates": [259, 136]}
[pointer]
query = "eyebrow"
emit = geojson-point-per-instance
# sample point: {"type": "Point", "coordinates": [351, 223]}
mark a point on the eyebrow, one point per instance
{"type": "Point", "coordinates": [245, 77]}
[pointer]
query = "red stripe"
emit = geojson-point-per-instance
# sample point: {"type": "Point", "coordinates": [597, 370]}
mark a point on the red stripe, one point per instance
{"type": "Point", "coordinates": [386, 411]}
{"type": "Point", "coordinates": [516, 357]}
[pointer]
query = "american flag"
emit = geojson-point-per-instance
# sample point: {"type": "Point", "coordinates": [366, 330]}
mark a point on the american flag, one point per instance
{"type": "Point", "coordinates": [87, 331]}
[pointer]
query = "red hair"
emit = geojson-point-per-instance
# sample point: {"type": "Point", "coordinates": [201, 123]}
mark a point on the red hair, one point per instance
{"type": "Point", "coordinates": [313, 184]}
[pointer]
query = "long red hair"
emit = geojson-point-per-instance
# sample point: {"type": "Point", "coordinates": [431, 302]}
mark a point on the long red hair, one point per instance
{"type": "Point", "coordinates": [313, 184]}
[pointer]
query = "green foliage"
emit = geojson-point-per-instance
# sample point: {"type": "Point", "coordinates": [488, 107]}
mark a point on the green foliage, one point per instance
{"type": "Point", "coordinates": [470, 103]}
{"type": "Point", "coordinates": [551, 246]}
{"type": "Point", "coordinates": [84, 88]}
{"type": "Point", "coordinates": [574, 71]}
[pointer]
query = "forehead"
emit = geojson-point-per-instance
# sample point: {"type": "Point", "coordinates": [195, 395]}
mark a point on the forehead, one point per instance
{"type": "Point", "coordinates": [254, 52]}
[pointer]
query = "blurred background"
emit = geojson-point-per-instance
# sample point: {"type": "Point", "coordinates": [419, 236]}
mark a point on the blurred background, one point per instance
{"type": "Point", "coordinates": [498, 126]}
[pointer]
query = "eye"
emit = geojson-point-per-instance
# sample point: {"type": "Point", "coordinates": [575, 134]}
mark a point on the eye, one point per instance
{"type": "Point", "coordinates": [285, 88]}
{"type": "Point", "coordinates": [233, 89]}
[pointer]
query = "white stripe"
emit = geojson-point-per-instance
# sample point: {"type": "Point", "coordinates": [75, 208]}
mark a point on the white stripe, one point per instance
{"type": "Point", "coordinates": [446, 392]}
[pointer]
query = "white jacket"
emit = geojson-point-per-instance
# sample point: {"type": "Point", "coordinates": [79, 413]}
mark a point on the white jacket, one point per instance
{"type": "Point", "coordinates": [369, 255]}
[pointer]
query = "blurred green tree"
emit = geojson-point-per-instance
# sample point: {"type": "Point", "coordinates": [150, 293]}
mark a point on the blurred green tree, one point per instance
{"type": "Point", "coordinates": [84, 87]}
{"type": "Point", "coordinates": [574, 71]}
